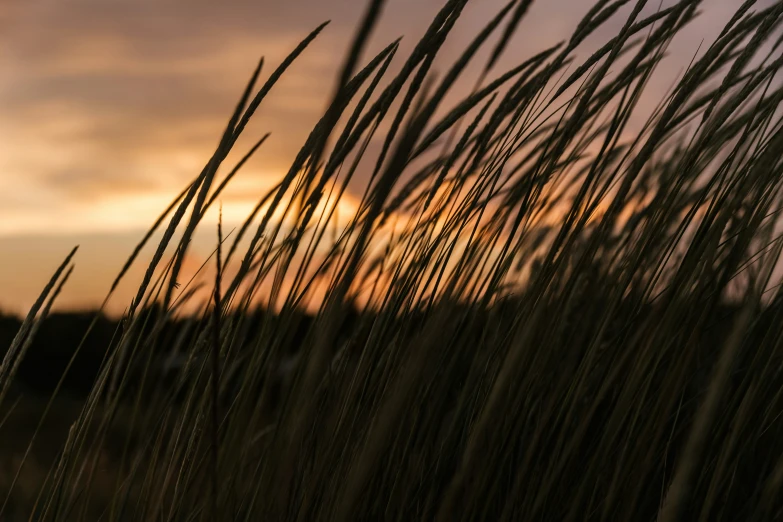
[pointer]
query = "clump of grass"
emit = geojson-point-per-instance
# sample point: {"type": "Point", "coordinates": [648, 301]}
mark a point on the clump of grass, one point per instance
{"type": "Point", "coordinates": [554, 315]}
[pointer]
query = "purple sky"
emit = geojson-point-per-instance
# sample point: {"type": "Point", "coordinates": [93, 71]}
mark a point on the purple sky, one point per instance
{"type": "Point", "coordinates": [107, 107]}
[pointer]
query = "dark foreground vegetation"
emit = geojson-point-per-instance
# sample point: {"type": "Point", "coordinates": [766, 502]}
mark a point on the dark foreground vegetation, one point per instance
{"type": "Point", "coordinates": [541, 311]}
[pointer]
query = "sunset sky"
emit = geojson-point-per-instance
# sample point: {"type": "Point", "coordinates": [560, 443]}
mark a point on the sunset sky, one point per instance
{"type": "Point", "coordinates": [108, 107]}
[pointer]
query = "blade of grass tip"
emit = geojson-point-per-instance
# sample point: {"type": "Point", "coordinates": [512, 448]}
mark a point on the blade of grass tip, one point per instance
{"type": "Point", "coordinates": [351, 123]}
{"type": "Point", "coordinates": [97, 315]}
{"type": "Point", "coordinates": [371, 17]}
{"type": "Point", "coordinates": [463, 61]}
{"type": "Point", "coordinates": [762, 33]}
{"type": "Point", "coordinates": [28, 342]}
{"type": "Point", "coordinates": [242, 106]}
{"type": "Point", "coordinates": [273, 78]}
{"type": "Point", "coordinates": [583, 26]}
{"type": "Point", "coordinates": [422, 57]}
{"type": "Point", "coordinates": [463, 107]}
{"type": "Point", "coordinates": [736, 17]}
{"type": "Point", "coordinates": [325, 126]}
{"type": "Point", "coordinates": [305, 154]}
{"type": "Point", "coordinates": [224, 147]}
{"type": "Point", "coordinates": [29, 321]}
{"type": "Point", "coordinates": [336, 107]}
{"type": "Point", "coordinates": [332, 166]}
{"type": "Point", "coordinates": [605, 49]}
{"type": "Point", "coordinates": [381, 190]}
{"type": "Point", "coordinates": [215, 363]}
{"type": "Point", "coordinates": [230, 136]}
{"type": "Point", "coordinates": [347, 89]}
{"type": "Point", "coordinates": [596, 19]}
{"type": "Point", "coordinates": [617, 47]}
{"type": "Point", "coordinates": [581, 107]}
{"type": "Point", "coordinates": [5, 380]}
{"type": "Point", "coordinates": [519, 13]}
{"type": "Point", "coordinates": [428, 44]}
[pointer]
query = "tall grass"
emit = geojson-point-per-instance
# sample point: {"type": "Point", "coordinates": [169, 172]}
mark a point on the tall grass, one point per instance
{"type": "Point", "coordinates": [554, 314]}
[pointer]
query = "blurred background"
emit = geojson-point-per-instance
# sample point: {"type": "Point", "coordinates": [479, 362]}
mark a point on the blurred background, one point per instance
{"type": "Point", "coordinates": [108, 109]}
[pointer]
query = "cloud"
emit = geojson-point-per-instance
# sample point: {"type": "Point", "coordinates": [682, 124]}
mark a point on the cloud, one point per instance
{"type": "Point", "coordinates": [103, 99]}
{"type": "Point", "coordinates": [129, 97]}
